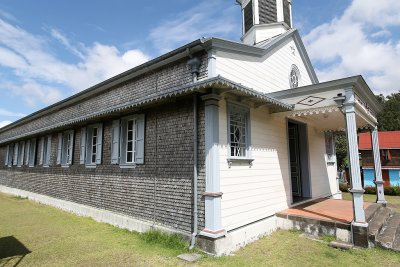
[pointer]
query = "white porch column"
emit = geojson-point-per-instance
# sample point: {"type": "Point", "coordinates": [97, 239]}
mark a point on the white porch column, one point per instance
{"type": "Point", "coordinates": [356, 186]}
{"type": "Point", "coordinates": [380, 193]}
{"type": "Point", "coordinates": [213, 225]}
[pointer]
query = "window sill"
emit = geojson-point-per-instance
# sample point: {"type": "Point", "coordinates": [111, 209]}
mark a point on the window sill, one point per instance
{"type": "Point", "coordinates": [90, 166]}
{"type": "Point", "coordinates": [127, 166]}
{"type": "Point", "coordinates": [64, 166]}
{"type": "Point", "coordinates": [239, 161]}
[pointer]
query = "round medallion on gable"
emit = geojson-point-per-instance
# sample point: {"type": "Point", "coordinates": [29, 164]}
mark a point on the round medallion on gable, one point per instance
{"type": "Point", "coordinates": [294, 76]}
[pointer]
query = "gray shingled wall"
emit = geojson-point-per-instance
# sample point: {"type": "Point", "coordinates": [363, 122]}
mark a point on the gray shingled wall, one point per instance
{"type": "Point", "coordinates": [159, 190]}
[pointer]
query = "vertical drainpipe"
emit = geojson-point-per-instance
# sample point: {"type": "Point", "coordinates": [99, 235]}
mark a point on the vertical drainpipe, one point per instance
{"type": "Point", "coordinates": [194, 63]}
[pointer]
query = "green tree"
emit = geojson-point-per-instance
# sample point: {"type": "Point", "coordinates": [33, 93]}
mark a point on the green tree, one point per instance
{"type": "Point", "coordinates": [388, 120]}
{"type": "Point", "coordinates": [389, 117]}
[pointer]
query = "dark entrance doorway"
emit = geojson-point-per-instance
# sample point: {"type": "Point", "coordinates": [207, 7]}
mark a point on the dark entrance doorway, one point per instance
{"type": "Point", "coordinates": [298, 158]}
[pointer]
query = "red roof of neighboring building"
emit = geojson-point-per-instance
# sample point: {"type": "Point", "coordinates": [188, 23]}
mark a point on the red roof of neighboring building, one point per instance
{"type": "Point", "coordinates": [386, 140]}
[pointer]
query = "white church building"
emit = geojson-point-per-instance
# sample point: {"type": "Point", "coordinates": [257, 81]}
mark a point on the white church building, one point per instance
{"type": "Point", "coordinates": [246, 129]}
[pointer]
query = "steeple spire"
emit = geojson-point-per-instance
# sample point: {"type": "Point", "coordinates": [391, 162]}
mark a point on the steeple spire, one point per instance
{"type": "Point", "coordinates": [263, 19]}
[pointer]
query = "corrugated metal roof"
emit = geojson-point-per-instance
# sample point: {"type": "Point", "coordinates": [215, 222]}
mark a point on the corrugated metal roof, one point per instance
{"type": "Point", "coordinates": [387, 140]}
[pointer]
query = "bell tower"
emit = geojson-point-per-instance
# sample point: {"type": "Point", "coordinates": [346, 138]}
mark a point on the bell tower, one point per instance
{"type": "Point", "coordinates": [263, 19]}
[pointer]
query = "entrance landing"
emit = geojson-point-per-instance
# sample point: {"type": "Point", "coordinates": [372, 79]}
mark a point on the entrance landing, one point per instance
{"type": "Point", "coordinates": [333, 210]}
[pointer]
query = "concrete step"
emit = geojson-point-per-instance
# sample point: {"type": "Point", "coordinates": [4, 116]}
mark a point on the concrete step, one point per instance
{"type": "Point", "coordinates": [387, 235]}
{"type": "Point", "coordinates": [376, 224]}
{"type": "Point", "coordinates": [396, 242]}
{"type": "Point", "coordinates": [371, 210]}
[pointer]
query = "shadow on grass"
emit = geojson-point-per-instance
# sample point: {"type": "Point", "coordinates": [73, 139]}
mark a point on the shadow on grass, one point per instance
{"type": "Point", "coordinates": [11, 249]}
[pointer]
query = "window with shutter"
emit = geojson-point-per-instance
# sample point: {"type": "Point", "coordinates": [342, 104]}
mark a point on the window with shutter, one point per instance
{"type": "Point", "coordinates": [10, 155]}
{"type": "Point", "coordinates": [67, 146]}
{"type": "Point", "coordinates": [16, 152]}
{"type": "Point", "coordinates": [93, 145]}
{"type": "Point", "coordinates": [46, 150]}
{"type": "Point", "coordinates": [59, 148]}
{"type": "Point", "coordinates": [132, 140]}
{"type": "Point", "coordinates": [21, 154]}
{"type": "Point", "coordinates": [32, 152]}
{"type": "Point", "coordinates": [27, 152]}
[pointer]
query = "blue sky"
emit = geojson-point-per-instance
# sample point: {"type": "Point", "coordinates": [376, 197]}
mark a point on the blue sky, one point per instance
{"type": "Point", "coordinates": [52, 49]}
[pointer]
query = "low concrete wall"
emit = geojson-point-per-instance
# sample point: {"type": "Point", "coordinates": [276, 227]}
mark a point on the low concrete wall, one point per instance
{"type": "Point", "coordinates": [236, 239]}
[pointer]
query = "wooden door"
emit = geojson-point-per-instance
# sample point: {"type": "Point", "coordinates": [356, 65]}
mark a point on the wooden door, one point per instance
{"type": "Point", "coordinates": [295, 172]}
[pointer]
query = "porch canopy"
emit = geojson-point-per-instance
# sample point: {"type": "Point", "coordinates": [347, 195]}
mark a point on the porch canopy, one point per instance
{"type": "Point", "coordinates": [341, 105]}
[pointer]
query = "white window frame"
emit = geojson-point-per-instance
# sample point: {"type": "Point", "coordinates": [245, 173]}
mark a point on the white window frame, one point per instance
{"type": "Point", "coordinates": [245, 111]}
{"type": "Point", "coordinates": [67, 148]}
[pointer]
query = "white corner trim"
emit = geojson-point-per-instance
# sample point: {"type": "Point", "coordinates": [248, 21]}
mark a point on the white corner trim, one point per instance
{"type": "Point", "coordinates": [99, 215]}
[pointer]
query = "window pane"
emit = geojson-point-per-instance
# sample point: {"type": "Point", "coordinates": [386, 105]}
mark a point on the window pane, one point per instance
{"type": "Point", "coordinates": [129, 157]}
{"type": "Point", "coordinates": [238, 121]}
{"type": "Point", "coordinates": [130, 136]}
{"type": "Point", "coordinates": [130, 146]}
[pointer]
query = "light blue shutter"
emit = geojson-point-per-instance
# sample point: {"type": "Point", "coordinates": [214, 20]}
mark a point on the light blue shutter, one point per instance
{"type": "Point", "coordinates": [11, 155]}
{"type": "Point", "coordinates": [27, 153]}
{"type": "Point", "coordinates": [21, 153]}
{"type": "Point", "coordinates": [139, 141]}
{"type": "Point", "coordinates": [41, 150]}
{"type": "Point", "coordinates": [99, 143]}
{"type": "Point", "coordinates": [7, 155]}
{"type": "Point", "coordinates": [83, 145]}
{"type": "Point", "coordinates": [32, 157]}
{"type": "Point", "coordinates": [16, 151]}
{"type": "Point", "coordinates": [48, 152]}
{"type": "Point", "coordinates": [71, 147]}
{"type": "Point", "coordinates": [59, 148]}
{"type": "Point", "coordinates": [115, 142]}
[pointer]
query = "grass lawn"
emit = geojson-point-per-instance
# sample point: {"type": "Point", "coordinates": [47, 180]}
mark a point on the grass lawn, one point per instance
{"type": "Point", "coordinates": [393, 201]}
{"type": "Point", "coordinates": [57, 238]}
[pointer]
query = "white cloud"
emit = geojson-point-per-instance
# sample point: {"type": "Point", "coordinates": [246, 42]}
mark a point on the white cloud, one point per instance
{"type": "Point", "coordinates": [7, 113]}
{"type": "Point", "coordinates": [4, 123]}
{"type": "Point", "coordinates": [345, 46]}
{"type": "Point", "coordinates": [41, 74]}
{"type": "Point", "coordinates": [32, 92]}
{"type": "Point", "coordinates": [209, 18]}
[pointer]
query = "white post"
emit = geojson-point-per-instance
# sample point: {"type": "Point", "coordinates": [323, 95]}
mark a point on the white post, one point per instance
{"type": "Point", "coordinates": [359, 224]}
{"type": "Point", "coordinates": [356, 185]}
{"type": "Point", "coordinates": [380, 193]}
{"type": "Point", "coordinates": [213, 225]}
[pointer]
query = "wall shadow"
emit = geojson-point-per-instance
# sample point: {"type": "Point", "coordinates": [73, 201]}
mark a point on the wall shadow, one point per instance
{"type": "Point", "coordinates": [12, 250]}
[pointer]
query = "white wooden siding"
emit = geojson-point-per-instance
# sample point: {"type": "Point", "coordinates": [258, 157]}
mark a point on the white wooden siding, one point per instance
{"type": "Point", "coordinates": [253, 193]}
{"type": "Point", "coordinates": [323, 177]}
{"type": "Point", "coordinates": [267, 74]}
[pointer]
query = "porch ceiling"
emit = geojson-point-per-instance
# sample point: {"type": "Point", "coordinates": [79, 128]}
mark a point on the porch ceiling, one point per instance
{"type": "Point", "coordinates": [330, 118]}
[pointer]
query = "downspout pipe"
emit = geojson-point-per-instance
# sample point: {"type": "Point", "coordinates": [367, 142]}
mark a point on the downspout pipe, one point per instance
{"type": "Point", "coordinates": [195, 161]}
{"type": "Point", "coordinates": [194, 63]}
